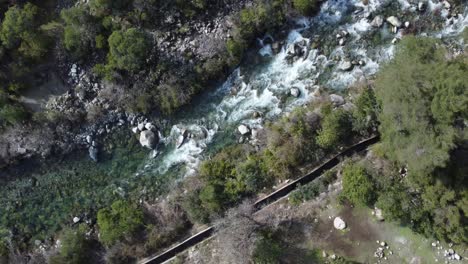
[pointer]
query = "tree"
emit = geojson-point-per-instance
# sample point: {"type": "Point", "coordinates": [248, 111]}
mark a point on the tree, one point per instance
{"type": "Point", "coordinates": [306, 7]}
{"type": "Point", "coordinates": [358, 187]}
{"type": "Point", "coordinates": [336, 127]}
{"type": "Point", "coordinates": [80, 30]}
{"type": "Point", "coordinates": [20, 30]}
{"type": "Point", "coordinates": [119, 221]}
{"type": "Point", "coordinates": [76, 248]}
{"type": "Point", "coordinates": [107, 7]}
{"type": "Point", "coordinates": [422, 96]}
{"type": "Point", "coordinates": [128, 49]}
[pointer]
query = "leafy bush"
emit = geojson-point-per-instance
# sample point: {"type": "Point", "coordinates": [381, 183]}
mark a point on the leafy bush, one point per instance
{"type": "Point", "coordinates": [421, 92]}
{"type": "Point", "coordinates": [424, 97]}
{"type": "Point", "coordinates": [76, 248]}
{"type": "Point", "coordinates": [128, 49]}
{"type": "Point", "coordinates": [4, 250]}
{"type": "Point", "coordinates": [12, 114]}
{"type": "Point", "coordinates": [268, 249]}
{"type": "Point", "coordinates": [20, 30]}
{"type": "Point", "coordinates": [365, 113]}
{"type": "Point", "coordinates": [306, 7]}
{"type": "Point", "coordinates": [313, 189]}
{"type": "Point", "coordinates": [80, 30]}
{"type": "Point", "coordinates": [119, 221]}
{"type": "Point", "coordinates": [336, 128]}
{"type": "Point", "coordinates": [358, 186]}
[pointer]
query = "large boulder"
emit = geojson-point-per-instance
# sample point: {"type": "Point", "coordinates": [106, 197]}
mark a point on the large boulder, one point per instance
{"type": "Point", "coordinates": [337, 100]}
{"type": "Point", "coordinates": [148, 139]}
{"type": "Point", "coordinates": [394, 21]}
{"type": "Point", "coordinates": [339, 224]}
{"type": "Point", "coordinates": [377, 21]}
{"type": "Point", "coordinates": [346, 66]}
{"type": "Point", "coordinates": [295, 92]}
{"type": "Point", "coordinates": [243, 129]}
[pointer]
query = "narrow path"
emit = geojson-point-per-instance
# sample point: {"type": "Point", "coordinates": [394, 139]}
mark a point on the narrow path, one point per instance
{"type": "Point", "coordinates": [259, 204]}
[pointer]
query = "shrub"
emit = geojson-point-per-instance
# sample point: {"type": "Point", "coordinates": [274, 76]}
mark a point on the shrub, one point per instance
{"type": "Point", "coordinates": [20, 29]}
{"type": "Point", "coordinates": [119, 221]}
{"type": "Point", "coordinates": [358, 186]}
{"type": "Point", "coordinates": [306, 7]}
{"type": "Point", "coordinates": [365, 113]}
{"type": "Point", "coordinates": [268, 249]}
{"type": "Point", "coordinates": [128, 49]}
{"type": "Point", "coordinates": [4, 250]}
{"type": "Point", "coordinates": [80, 30]}
{"type": "Point", "coordinates": [12, 114]}
{"type": "Point", "coordinates": [76, 248]}
{"type": "Point", "coordinates": [336, 127]}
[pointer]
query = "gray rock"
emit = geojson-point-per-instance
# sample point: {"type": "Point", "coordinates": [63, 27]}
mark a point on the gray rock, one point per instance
{"type": "Point", "coordinates": [93, 153]}
{"type": "Point", "coordinates": [295, 92]}
{"type": "Point", "coordinates": [346, 66]}
{"type": "Point", "coordinates": [377, 22]}
{"type": "Point", "coordinates": [150, 126]}
{"type": "Point", "coordinates": [148, 139]}
{"type": "Point", "coordinates": [182, 138]}
{"type": "Point", "coordinates": [76, 219]}
{"type": "Point", "coordinates": [394, 21]}
{"type": "Point", "coordinates": [337, 100]}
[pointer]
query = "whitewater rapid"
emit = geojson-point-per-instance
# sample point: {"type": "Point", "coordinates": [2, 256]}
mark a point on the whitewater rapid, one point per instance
{"type": "Point", "coordinates": [264, 91]}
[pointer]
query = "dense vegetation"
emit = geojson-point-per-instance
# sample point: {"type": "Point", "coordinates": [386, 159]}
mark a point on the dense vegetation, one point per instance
{"type": "Point", "coordinates": [424, 100]}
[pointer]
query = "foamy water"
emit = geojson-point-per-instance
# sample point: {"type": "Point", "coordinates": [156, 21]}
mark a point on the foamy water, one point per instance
{"type": "Point", "coordinates": [270, 82]}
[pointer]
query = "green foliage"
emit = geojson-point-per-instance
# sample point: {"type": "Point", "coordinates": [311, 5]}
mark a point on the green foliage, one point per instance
{"type": "Point", "coordinates": [358, 186]}
{"type": "Point", "coordinates": [193, 206]}
{"type": "Point", "coordinates": [424, 96]}
{"type": "Point", "coordinates": [76, 248]}
{"type": "Point", "coordinates": [306, 7]}
{"type": "Point", "coordinates": [291, 143]}
{"type": "Point", "coordinates": [12, 114]}
{"type": "Point", "coordinates": [465, 35]}
{"type": "Point", "coordinates": [107, 7]}
{"type": "Point", "coordinates": [268, 249]}
{"type": "Point", "coordinates": [128, 49]}
{"type": "Point", "coordinates": [365, 113]}
{"type": "Point", "coordinates": [119, 221]}
{"type": "Point", "coordinates": [336, 127]}
{"type": "Point", "coordinates": [80, 30]}
{"type": "Point", "coordinates": [313, 189]}
{"type": "Point", "coordinates": [20, 30]}
{"type": "Point", "coordinates": [4, 250]}
{"type": "Point", "coordinates": [421, 91]}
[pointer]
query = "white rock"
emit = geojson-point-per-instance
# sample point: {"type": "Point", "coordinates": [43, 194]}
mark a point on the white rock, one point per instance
{"type": "Point", "coordinates": [377, 22]}
{"type": "Point", "coordinates": [394, 40]}
{"type": "Point", "coordinates": [447, 5]}
{"type": "Point", "coordinates": [141, 126]}
{"type": "Point", "coordinates": [148, 139]}
{"type": "Point", "coordinates": [407, 24]}
{"type": "Point", "coordinates": [434, 244]}
{"type": "Point", "coordinates": [295, 92]}
{"type": "Point", "coordinates": [394, 21]}
{"type": "Point", "coordinates": [339, 224]}
{"type": "Point", "coordinates": [379, 214]}
{"type": "Point", "coordinates": [135, 130]}
{"type": "Point", "coordinates": [243, 129]}
{"type": "Point", "coordinates": [341, 42]}
{"type": "Point", "coordinates": [383, 244]}
{"type": "Point", "coordinates": [76, 219]}
{"type": "Point", "coordinates": [150, 126]}
{"type": "Point", "coordinates": [89, 139]}
{"type": "Point", "coordinates": [457, 257]}
{"type": "Point", "coordinates": [346, 66]}
{"type": "Point", "coordinates": [154, 153]}
{"type": "Point", "coordinates": [451, 251]}
{"type": "Point", "coordinates": [421, 6]}
{"type": "Point", "coordinates": [337, 100]}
